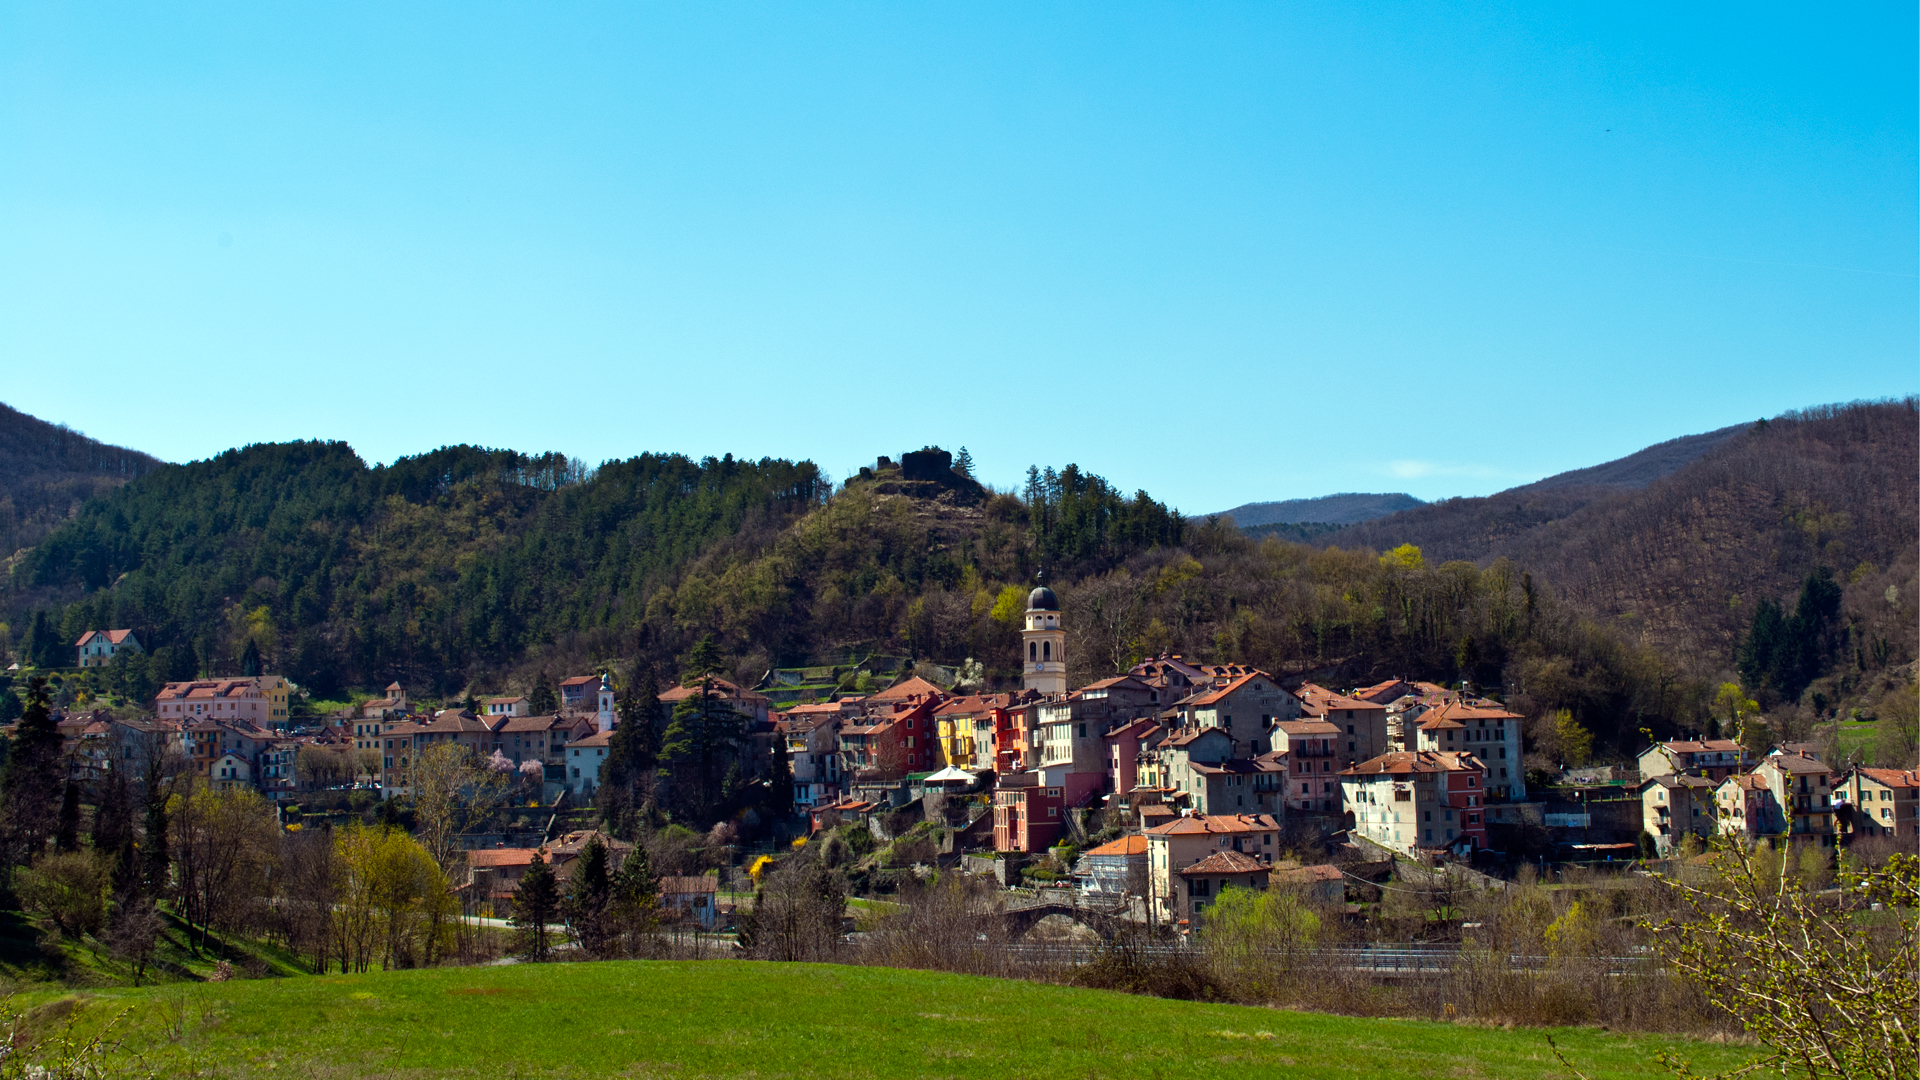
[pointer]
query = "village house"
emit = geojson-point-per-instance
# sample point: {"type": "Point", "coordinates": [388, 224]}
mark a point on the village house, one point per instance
{"type": "Point", "coordinates": [1026, 813]}
{"type": "Point", "coordinates": [1421, 801]}
{"type": "Point", "coordinates": [965, 726]}
{"type": "Point", "coordinates": [1116, 870]}
{"type": "Point", "coordinates": [690, 899]}
{"type": "Point", "coordinates": [584, 758]}
{"type": "Point", "coordinates": [1312, 747]}
{"type": "Point", "coordinates": [1802, 788]}
{"type": "Point", "coordinates": [1126, 742]}
{"type": "Point", "coordinates": [235, 701]}
{"type": "Point", "coordinates": [1674, 806]}
{"type": "Point", "coordinates": [1322, 884]}
{"type": "Point", "coordinates": [812, 733]}
{"type": "Point", "coordinates": [208, 741]}
{"type": "Point", "coordinates": [754, 707]}
{"type": "Point", "coordinates": [1362, 723]}
{"type": "Point", "coordinates": [97, 648]}
{"type": "Point", "coordinates": [1715, 759]}
{"type": "Point", "coordinates": [505, 706]}
{"type": "Point", "coordinates": [391, 707]}
{"type": "Point", "coordinates": [1745, 807]}
{"type": "Point", "coordinates": [1185, 841]}
{"type": "Point", "coordinates": [229, 772]}
{"type": "Point", "coordinates": [1246, 707]}
{"type": "Point", "coordinates": [1484, 729]}
{"type": "Point", "coordinates": [1072, 734]}
{"type": "Point", "coordinates": [1200, 885]}
{"type": "Point", "coordinates": [1879, 802]}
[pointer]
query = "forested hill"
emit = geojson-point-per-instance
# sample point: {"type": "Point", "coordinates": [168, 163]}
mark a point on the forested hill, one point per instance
{"type": "Point", "coordinates": [343, 575]}
{"type": "Point", "coordinates": [1685, 559]}
{"type": "Point", "coordinates": [47, 471]}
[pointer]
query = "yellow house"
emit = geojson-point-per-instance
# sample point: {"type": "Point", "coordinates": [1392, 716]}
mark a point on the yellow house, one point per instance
{"type": "Point", "coordinates": [1880, 802]}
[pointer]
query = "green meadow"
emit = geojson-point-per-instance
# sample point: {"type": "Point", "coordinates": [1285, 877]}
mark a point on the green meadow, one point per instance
{"type": "Point", "coordinates": [735, 1018]}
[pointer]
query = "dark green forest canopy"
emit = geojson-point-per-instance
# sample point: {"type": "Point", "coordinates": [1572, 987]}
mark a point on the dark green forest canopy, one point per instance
{"type": "Point", "coordinates": [418, 570]}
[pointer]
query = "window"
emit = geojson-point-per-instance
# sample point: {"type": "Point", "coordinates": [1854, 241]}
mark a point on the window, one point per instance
{"type": "Point", "coordinates": [1427, 815]}
{"type": "Point", "coordinates": [1046, 650]}
{"type": "Point", "coordinates": [1033, 651]}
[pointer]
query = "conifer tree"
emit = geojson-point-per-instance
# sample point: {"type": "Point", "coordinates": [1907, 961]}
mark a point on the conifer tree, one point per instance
{"type": "Point", "coordinates": [250, 660]}
{"type": "Point", "coordinates": [113, 828]}
{"type": "Point", "coordinates": [587, 894]}
{"type": "Point", "coordinates": [31, 783]}
{"type": "Point", "coordinates": [540, 701]}
{"type": "Point", "coordinates": [536, 901]}
{"type": "Point", "coordinates": [67, 837]}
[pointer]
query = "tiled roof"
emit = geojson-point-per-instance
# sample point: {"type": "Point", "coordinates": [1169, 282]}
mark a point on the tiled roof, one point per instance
{"type": "Point", "coordinates": [598, 738]}
{"type": "Point", "coordinates": [688, 886]}
{"type": "Point", "coordinates": [497, 857]}
{"type": "Point", "coordinates": [1894, 778]}
{"type": "Point", "coordinates": [1301, 729]}
{"type": "Point", "coordinates": [1306, 874]}
{"type": "Point", "coordinates": [580, 680]}
{"type": "Point", "coordinates": [1216, 824]}
{"type": "Point", "coordinates": [1702, 746]}
{"type": "Point", "coordinates": [1401, 763]}
{"type": "Point", "coordinates": [913, 686]}
{"type": "Point", "coordinates": [1225, 862]}
{"type": "Point", "coordinates": [1126, 845]}
{"type": "Point", "coordinates": [113, 636]}
{"type": "Point", "coordinates": [1798, 764]}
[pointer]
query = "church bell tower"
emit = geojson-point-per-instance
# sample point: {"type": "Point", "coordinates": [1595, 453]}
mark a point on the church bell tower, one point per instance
{"type": "Point", "coordinates": [1046, 643]}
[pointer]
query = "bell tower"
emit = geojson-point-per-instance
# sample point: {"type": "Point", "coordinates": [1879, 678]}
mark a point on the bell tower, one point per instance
{"type": "Point", "coordinates": [1045, 641]}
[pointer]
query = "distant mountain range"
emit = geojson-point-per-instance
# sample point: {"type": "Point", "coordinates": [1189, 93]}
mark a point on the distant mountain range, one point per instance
{"type": "Point", "coordinates": [1347, 508]}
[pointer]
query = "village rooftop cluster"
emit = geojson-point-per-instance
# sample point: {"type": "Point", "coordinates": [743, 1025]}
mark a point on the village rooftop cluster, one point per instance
{"type": "Point", "coordinates": [1218, 767]}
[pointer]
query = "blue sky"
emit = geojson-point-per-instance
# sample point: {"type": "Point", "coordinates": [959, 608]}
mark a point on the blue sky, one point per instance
{"type": "Point", "coordinates": [1223, 252]}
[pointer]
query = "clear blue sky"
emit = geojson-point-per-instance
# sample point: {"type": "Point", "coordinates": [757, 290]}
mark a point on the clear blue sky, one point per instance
{"type": "Point", "coordinates": [1223, 252]}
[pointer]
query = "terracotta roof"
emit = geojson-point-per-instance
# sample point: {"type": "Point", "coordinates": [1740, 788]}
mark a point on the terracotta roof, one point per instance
{"type": "Point", "coordinates": [912, 686]}
{"type": "Point", "coordinates": [580, 680]}
{"type": "Point", "coordinates": [819, 707]}
{"type": "Point", "coordinates": [1216, 824]}
{"type": "Point", "coordinates": [1117, 680]}
{"type": "Point", "coordinates": [497, 857]}
{"type": "Point", "coordinates": [1225, 862]}
{"type": "Point", "coordinates": [1798, 764]}
{"type": "Point", "coordinates": [1458, 711]}
{"type": "Point", "coordinates": [1305, 874]}
{"type": "Point", "coordinates": [528, 723]}
{"type": "Point", "coordinates": [1702, 746]}
{"type": "Point", "coordinates": [1126, 845]}
{"type": "Point", "coordinates": [1672, 780]}
{"type": "Point", "coordinates": [1377, 690]}
{"type": "Point", "coordinates": [1401, 763]}
{"type": "Point", "coordinates": [1746, 780]}
{"type": "Point", "coordinates": [724, 690]}
{"type": "Point", "coordinates": [1322, 698]}
{"type": "Point", "coordinates": [1895, 778]}
{"type": "Point", "coordinates": [113, 636]}
{"type": "Point", "coordinates": [1214, 697]}
{"type": "Point", "coordinates": [1303, 728]}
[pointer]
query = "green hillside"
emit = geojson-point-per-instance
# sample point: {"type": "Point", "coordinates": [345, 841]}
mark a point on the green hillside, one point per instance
{"type": "Point", "coordinates": [737, 1018]}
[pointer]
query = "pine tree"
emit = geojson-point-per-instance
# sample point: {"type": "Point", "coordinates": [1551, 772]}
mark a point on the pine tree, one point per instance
{"type": "Point", "coordinates": [250, 660]}
{"type": "Point", "coordinates": [964, 463]}
{"type": "Point", "coordinates": [113, 829]}
{"type": "Point", "coordinates": [536, 901]}
{"type": "Point", "coordinates": [703, 733]}
{"type": "Point", "coordinates": [540, 701]}
{"type": "Point", "coordinates": [587, 894]}
{"type": "Point", "coordinates": [779, 802]}
{"type": "Point", "coordinates": [32, 781]}
{"type": "Point", "coordinates": [705, 659]}
{"type": "Point", "coordinates": [67, 837]}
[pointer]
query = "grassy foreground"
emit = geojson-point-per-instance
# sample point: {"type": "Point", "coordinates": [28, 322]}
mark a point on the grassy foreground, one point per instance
{"type": "Point", "coordinates": [735, 1018]}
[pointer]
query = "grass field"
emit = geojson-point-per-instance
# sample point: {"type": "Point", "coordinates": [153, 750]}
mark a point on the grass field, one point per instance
{"type": "Point", "coordinates": [734, 1018]}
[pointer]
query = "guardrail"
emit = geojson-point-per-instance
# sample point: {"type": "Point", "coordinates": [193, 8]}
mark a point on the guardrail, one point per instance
{"type": "Point", "coordinates": [1409, 958]}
